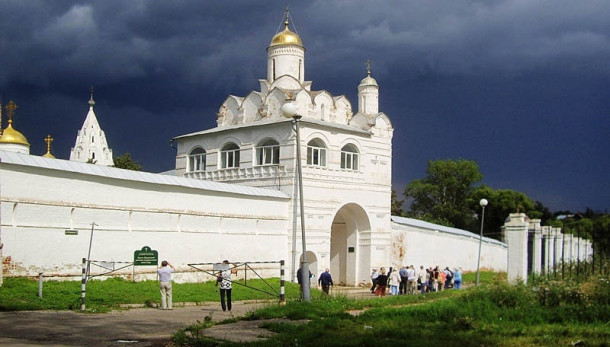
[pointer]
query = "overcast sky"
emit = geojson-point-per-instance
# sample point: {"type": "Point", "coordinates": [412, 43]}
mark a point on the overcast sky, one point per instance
{"type": "Point", "coordinates": [521, 87]}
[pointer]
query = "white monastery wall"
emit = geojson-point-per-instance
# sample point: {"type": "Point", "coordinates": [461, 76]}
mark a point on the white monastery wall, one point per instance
{"type": "Point", "coordinates": [415, 242]}
{"type": "Point", "coordinates": [184, 224]}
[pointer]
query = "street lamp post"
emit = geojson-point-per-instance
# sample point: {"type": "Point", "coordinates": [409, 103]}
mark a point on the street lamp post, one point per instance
{"type": "Point", "coordinates": [483, 203]}
{"type": "Point", "coordinates": [290, 111]}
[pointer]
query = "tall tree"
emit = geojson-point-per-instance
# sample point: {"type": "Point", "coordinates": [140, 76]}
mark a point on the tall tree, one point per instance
{"type": "Point", "coordinates": [502, 203]}
{"type": "Point", "coordinates": [124, 161]}
{"type": "Point", "coordinates": [442, 196]}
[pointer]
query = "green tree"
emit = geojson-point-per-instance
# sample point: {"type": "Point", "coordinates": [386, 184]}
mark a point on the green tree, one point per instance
{"type": "Point", "coordinates": [502, 203]}
{"type": "Point", "coordinates": [442, 196]}
{"type": "Point", "coordinates": [124, 161]}
{"type": "Point", "coordinates": [397, 209]}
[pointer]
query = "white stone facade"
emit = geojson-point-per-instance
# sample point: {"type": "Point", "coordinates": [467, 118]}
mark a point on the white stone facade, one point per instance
{"type": "Point", "coordinates": [346, 160]}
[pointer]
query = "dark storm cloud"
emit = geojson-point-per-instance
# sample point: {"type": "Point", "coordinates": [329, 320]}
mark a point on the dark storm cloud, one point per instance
{"type": "Point", "coordinates": [518, 86]}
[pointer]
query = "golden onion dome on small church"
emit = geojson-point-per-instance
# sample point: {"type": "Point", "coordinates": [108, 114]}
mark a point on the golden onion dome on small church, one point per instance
{"type": "Point", "coordinates": [286, 37]}
{"type": "Point", "coordinates": [10, 135]}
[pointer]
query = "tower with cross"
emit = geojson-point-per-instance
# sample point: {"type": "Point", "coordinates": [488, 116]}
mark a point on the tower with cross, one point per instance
{"type": "Point", "coordinates": [91, 145]}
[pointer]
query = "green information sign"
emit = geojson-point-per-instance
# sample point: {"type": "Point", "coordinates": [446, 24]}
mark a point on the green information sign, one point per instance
{"type": "Point", "coordinates": [145, 256]}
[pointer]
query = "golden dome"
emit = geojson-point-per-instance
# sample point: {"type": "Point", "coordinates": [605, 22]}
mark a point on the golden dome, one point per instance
{"type": "Point", "coordinates": [10, 135]}
{"type": "Point", "coordinates": [286, 37]}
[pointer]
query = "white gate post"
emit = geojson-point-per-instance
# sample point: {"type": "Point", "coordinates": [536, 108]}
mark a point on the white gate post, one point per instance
{"type": "Point", "coordinates": [536, 250]}
{"type": "Point", "coordinates": [516, 238]}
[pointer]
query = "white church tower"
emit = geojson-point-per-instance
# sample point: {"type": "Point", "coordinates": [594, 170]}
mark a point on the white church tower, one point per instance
{"type": "Point", "coordinates": [91, 145]}
{"type": "Point", "coordinates": [346, 159]}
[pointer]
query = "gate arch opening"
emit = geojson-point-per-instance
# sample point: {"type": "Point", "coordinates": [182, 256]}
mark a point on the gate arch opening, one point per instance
{"type": "Point", "coordinates": [350, 258]}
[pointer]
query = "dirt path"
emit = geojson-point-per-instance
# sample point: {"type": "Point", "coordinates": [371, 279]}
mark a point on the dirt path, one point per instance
{"type": "Point", "coordinates": [134, 327]}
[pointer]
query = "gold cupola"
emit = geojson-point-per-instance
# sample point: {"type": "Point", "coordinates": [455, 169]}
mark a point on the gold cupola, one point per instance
{"type": "Point", "coordinates": [286, 37]}
{"type": "Point", "coordinates": [10, 135]}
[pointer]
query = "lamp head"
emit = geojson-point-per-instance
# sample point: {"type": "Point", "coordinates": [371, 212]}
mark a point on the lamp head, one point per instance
{"type": "Point", "coordinates": [483, 202]}
{"type": "Point", "coordinates": [289, 110]}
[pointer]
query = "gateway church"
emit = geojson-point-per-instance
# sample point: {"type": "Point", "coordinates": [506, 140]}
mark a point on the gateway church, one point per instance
{"type": "Point", "coordinates": [234, 193]}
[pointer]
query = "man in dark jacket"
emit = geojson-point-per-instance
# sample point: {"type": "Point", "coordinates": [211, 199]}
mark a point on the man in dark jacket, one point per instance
{"type": "Point", "coordinates": [325, 280]}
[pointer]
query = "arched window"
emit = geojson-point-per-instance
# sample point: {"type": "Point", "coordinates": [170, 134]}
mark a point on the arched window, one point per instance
{"type": "Point", "coordinates": [268, 153]}
{"type": "Point", "coordinates": [316, 153]}
{"type": "Point", "coordinates": [229, 156]}
{"type": "Point", "coordinates": [197, 160]}
{"type": "Point", "coordinates": [349, 157]}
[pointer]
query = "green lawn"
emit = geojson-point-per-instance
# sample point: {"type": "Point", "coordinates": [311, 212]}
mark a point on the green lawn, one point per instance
{"type": "Point", "coordinates": [22, 294]}
{"type": "Point", "coordinates": [492, 314]}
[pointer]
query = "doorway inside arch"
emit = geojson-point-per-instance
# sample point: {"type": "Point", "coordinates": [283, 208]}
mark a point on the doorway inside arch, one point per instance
{"type": "Point", "coordinates": [313, 266]}
{"type": "Point", "coordinates": [349, 258]}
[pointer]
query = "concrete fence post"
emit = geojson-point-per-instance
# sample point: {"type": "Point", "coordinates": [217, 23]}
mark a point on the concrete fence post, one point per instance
{"type": "Point", "coordinates": [40, 284]}
{"type": "Point", "coordinates": [516, 238]}
{"type": "Point", "coordinates": [536, 251]}
{"type": "Point", "coordinates": [546, 244]}
{"type": "Point", "coordinates": [558, 247]}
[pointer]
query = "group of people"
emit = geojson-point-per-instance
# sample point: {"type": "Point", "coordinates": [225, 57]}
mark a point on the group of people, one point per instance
{"type": "Point", "coordinates": [223, 278]}
{"type": "Point", "coordinates": [408, 280]}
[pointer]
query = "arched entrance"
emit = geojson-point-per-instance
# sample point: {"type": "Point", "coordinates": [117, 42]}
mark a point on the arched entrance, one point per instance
{"type": "Point", "coordinates": [349, 258]}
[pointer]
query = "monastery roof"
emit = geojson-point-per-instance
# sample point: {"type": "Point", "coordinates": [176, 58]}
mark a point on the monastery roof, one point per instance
{"type": "Point", "coordinates": [14, 158]}
{"type": "Point", "coordinates": [441, 228]}
{"type": "Point", "coordinates": [280, 120]}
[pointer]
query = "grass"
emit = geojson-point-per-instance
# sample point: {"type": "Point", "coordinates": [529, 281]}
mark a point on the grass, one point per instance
{"type": "Point", "coordinates": [492, 314]}
{"type": "Point", "coordinates": [102, 296]}
{"type": "Point", "coordinates": [21, 294]}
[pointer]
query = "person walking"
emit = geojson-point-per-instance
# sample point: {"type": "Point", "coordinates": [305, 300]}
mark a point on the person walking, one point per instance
{"type": "Point", "coordinates": [423, 278]}
{"type": "Point", "coordinates": [299, 280]}
{"type": "Point", "coordinates": [165, 284]}
{"type": "Point", "coordinates": [224, 276]}
{"type": "Point", "coordinates": [326, 280]}
{"type": "Point", "coordinates": [411, 280]}
{"type": "Point", "coordinates": [374, 276]}
{"type": "Point", "coordinates": [403, 280]}
{"type": "Point", "coordinates": [457, 278]}
{"type": "Point", "coordinates": [394, 282]}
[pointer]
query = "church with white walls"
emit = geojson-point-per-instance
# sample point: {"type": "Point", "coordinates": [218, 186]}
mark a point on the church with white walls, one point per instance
{"type": "Point", "coordinates": [235, 193]}
{"type": "Point", "coordinates": [346, 159]}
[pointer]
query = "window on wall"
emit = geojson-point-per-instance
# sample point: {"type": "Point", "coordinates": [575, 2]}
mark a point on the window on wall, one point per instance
{"type": "Point", "coordinates": [349, 158]}
{"type": "Point", "coordinates": [316, 153]}
{"type": "Point", "coordinates": [229, 156]}
{"type": "Point", "coordinates": [268, 153]}
{"type": "Point", "coordinates": [197, 159]}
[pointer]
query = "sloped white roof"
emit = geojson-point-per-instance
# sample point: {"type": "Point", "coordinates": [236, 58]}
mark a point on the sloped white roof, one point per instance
{"type": "Point", "coordinates": [441, 228]}
{"type": "Point", "coordinates": [14, 158]}
{"type": "Point", "coordinates": [277, 121]}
